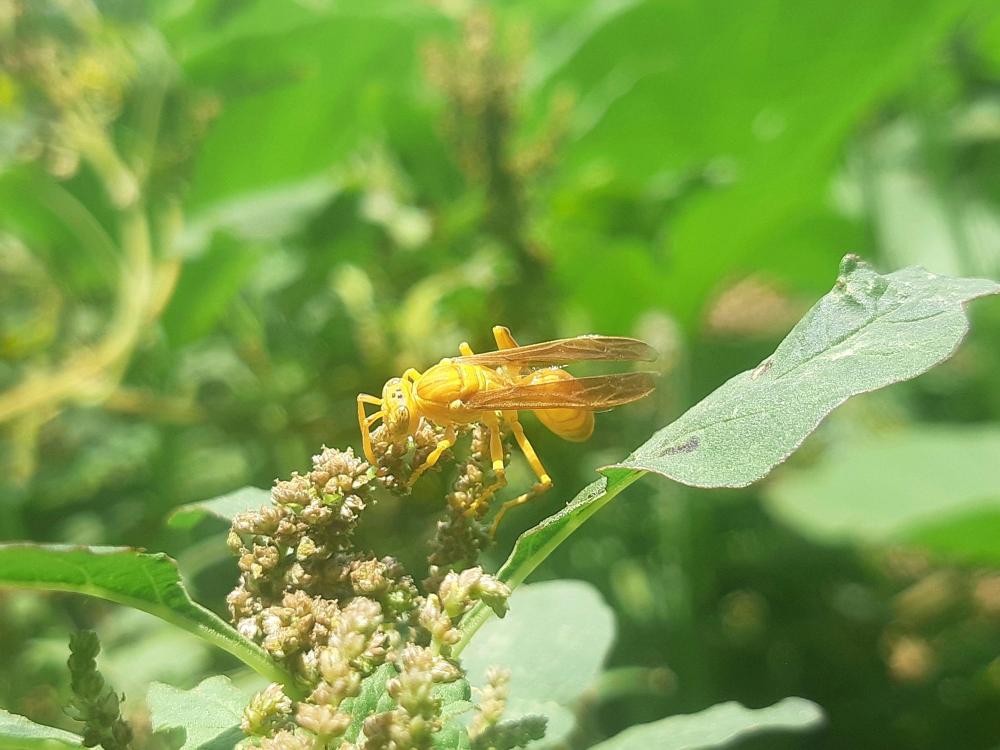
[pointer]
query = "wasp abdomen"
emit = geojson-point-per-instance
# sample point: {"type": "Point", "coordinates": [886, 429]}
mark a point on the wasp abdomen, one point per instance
{"type": "Point", "coordinates": [575, 425]}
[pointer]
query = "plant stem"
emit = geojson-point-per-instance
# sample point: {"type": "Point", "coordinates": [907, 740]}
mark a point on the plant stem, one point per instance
{"type": "Point", "coordinates": [515, 571]}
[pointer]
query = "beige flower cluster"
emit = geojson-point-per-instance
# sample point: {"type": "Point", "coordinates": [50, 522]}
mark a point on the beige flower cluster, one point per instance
{"type": "Point", "coordinates": [336, 615]}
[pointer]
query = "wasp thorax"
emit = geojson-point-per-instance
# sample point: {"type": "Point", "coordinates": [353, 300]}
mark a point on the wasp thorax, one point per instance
{"type": "Point", "coordinates": [397, 402]}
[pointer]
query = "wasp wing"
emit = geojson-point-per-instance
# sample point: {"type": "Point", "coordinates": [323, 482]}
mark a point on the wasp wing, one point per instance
{"type": "Point", "coordinates": [593, 393]}
{"type": "Point", "coordinates": [564, 351]}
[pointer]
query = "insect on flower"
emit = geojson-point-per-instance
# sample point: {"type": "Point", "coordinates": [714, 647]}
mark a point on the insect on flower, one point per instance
{"type": "Point", "coordinates": [493, 387]}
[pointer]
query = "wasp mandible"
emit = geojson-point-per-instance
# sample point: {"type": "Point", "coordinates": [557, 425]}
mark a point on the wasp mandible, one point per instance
{"type": "Point", "coordinates": [492, 387]}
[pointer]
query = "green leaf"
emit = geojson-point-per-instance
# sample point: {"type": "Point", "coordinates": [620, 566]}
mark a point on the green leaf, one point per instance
{"type": "Point", "coordinates": [372, 699]}
{"type": "Point", "coordinates": [209, 713]}
{"type": "Point", "coordinates": [877, 489]}
{"type": "Point", "coordinates": [718, 726]}
{"type": "Point", "coordinates": [297, 99]}
{"type": "Point", "coordinates": [870, 331]}
{"type": "Point", "coordinates": [554, 640]}
{"type": "Point", "coordinates": [760, 131]}
{"type": "Point", "coordinates": [20, 733]}
{"type": "Point", "coordinates": [224, 507]}
{"type": "Point", "coordinates": [207, 285]}
{"type": "Point", "coordinates": [150, 582]}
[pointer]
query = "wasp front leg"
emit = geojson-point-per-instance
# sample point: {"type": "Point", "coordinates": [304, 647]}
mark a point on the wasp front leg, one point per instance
{"type": "Point", "coordinates": [544, 480]}
{"type": "Point", "coordinates": [444, 444]}
{"type": "Point", "coordinates": [365, 422]}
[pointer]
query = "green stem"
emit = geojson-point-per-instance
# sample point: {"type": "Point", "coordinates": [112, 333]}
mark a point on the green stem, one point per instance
{"type": "Point", "coordinates": [518, 567]}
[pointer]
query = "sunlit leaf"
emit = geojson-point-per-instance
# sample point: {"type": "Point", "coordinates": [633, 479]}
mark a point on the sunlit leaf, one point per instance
{"type": "Point", "coordinates": [870, 331]}
{"type": "Point", "coordinates": [554, 641]}
{"type": "Point", "coordinates": [150, 582]}
{"type": "Point", "coordinates": [718, 726]}
{"type": "Point", "coordinates": [224, 507]}
{"type": "Point", "coordinates": [20, 733]}
{"type": "Point", "coordinates": [209, 713]}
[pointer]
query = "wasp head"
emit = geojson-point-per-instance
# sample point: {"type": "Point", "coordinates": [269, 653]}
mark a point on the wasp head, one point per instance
{"type": "Point", "coordinates": [400, 412]}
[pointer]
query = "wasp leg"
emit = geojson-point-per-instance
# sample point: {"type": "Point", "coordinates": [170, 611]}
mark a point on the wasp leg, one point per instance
{"type": "Point", "coordinates": [412, 374]}
{"type": "Point", "coordinates": [363, 423]}
{"type": "Point", "coordinates": [504, 338]}
{"type": "Point", "coordinates": [492, 422]}
{"type": "Point", "coordinates": [544, 480]}
{"type": "Point", "coordinates": [441, 447]}
{"type": "Point", "coordinates": [465, 350]}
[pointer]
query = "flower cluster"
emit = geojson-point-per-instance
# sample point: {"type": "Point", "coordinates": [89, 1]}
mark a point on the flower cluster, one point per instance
{"type": "Point", "coordinates": [339, 617]}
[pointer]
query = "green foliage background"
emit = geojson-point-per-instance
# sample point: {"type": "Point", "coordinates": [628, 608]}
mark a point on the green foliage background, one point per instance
{"type": "Point", "coordinates": [338, 191]}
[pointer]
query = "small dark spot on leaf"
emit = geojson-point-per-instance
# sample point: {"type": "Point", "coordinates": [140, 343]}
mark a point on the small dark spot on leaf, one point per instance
{"type": "Point", "coordinates": [762, 368]}
{"type": "Point", "coordinates": [687, 446]}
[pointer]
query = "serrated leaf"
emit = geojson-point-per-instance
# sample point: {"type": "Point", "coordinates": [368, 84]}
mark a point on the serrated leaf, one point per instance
{"type": "Point", "coordinates": [372, 699]}
{"type": "Point", "coordinates": [877, 489]}
{"type": "Point", "coordinates": [870, 331]}
{"type": "Point", "coordinates": [224, 507]}
{"type": "Point", "coordinates": [209, 713]}
{"type": "Point", "coordinates": [20, 733]}
{"type": "Point", "coordinates": [150, 582]}
{"type": "Point", "coordinates": [718, 726]}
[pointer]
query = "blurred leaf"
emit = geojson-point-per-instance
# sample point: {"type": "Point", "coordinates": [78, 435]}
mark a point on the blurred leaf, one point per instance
{"type": "Point", "coordinates": [965, 536]}
{"type": "Point", "coordinates": [206, 287]}
{"type": "Point", "coordinates": [224, 507]}
{"type": "Point", "coordinates": [554, 640]}
{"type": "Point", "coordinates": [296, 100]}
{"type": "Point", "coordinates": [752, 120]}
{"type": "Point", "coordinates": [20, 733]}
{"type": "Point", "coordinates": [149, 582]}
{"type": "Point", "coordinates": [870, 331]}
{"type": "Point", "coordinates": [718, 726]}
{"type": "Point", "coordinates": [880, 488]}
{"type": "Point", "coordinates": [209, 713]}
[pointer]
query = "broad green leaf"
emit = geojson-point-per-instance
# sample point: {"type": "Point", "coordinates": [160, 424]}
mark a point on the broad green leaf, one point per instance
{"type": "Point", "coordinates": [224, 507]}
{"type": "Point", "coordinates": [870, 331]}
{"type": "Point", "coordinates": [879, 489]}
{"type": "Point", "coordinates": [718, 726]}
{"type": "Point", "coordinates": [554, 641]}
{"type": "Point", "coordinates": [20, 733]}
{"type": "Point", "coordinates": [150, 582]}
{"type": "Point", "coordinates": [209, 713]}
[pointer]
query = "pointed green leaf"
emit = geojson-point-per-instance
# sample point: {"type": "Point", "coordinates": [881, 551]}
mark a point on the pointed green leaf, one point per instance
{"type": "Point", "coordinates": [870, 331]}
{"type": "Point", "coordinates": [224, 507]}
{"type": "Point", "coordinates": [20, 733]}
{"type": "Point", "coordinates": [718, 726]}
{"type": "Point", "coordinates": [209, 713]}
{"type": "Point", "coordinates": [150, 582]}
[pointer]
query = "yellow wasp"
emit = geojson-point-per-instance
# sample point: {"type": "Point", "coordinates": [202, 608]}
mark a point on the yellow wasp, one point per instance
{"type": "Point", "coordinates": [492, 387]}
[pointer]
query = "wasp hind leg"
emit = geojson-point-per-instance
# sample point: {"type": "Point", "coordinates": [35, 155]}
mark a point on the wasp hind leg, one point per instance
{"type": "Point", "coordinates": [492, 422]}
{"type": "Point", "coordinates": [544, 483]}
